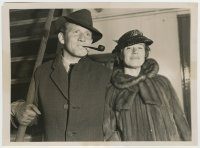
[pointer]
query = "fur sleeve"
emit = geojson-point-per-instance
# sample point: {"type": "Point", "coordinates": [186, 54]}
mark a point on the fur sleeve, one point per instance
{"type": "Point", "coordinates": [178, 114]}
{"type": "Point", "coordinates": [109, 125]}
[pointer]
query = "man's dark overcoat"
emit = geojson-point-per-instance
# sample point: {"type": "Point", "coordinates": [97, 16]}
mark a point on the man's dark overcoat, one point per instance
{"type": "Point", "coordinates": [72, 104]}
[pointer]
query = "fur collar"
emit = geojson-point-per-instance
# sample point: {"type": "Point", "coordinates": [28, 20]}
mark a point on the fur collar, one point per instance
{"type": "Point", "coordinates": [129, 87]}
{"type": "Point", "coordinates": [148, 70]}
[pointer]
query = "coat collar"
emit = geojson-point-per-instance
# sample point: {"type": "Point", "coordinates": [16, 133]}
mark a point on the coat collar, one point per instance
{"type": "Point", "coordinates": [143, 85]}
{"type": "Point", "coordinates": [58, 60]}
{"type": "Point", "coordinates": [123, 81]}
{"type": "Point", "coordinates": [59, 74]}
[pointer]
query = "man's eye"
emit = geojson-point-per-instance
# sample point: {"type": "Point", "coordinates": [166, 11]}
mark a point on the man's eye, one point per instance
{"type": "Point", "coordinates": [88, 34]}
{"type": "Point", "coordinates": [76, 31]}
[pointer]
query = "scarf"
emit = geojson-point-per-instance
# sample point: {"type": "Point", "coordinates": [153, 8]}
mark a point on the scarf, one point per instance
{"type": "Point", "coordinates": [129, 86]}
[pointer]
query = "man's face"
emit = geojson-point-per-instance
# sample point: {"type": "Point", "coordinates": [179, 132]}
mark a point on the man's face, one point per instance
{"type": "Point", "coordinates": [75, 38]}
{"type": "Point", "coordinates": [134, 55]}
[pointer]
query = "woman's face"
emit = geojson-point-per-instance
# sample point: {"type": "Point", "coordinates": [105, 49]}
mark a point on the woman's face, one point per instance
{"type": "Point", "coordinates": [134, 55]}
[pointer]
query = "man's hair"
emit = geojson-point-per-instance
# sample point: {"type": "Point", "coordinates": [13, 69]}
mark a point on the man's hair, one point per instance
{"type": "Point", "coordinates": [119, 57]}
{"type": "Point", "coordinates": [63, 28]}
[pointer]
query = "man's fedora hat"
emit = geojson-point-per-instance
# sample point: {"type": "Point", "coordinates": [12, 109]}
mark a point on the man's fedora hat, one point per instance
{"type": "Point", "coordinates": [130, 38]}
{"type": "Point", "coordinates": [81, 17]}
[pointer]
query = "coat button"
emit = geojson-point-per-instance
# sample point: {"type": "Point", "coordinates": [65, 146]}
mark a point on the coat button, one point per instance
{"type": "Point", "coordinates": [65, 106]}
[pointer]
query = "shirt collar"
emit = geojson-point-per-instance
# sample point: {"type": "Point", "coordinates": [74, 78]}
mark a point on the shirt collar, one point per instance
{"type": "Point", "coordinates": [67, 63]}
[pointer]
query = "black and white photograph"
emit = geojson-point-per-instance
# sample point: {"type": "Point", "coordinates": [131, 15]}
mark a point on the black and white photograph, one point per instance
{"type": "Point", "coordinates": [106, 73]}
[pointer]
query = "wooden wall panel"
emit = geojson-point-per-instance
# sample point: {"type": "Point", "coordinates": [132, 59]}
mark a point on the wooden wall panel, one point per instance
{"type": "Point", "coordinates": [20, 14]}
{"type": "Point", "coordinates": [31, 47]}
{"type": "Point", "coordinates": [33, 29]}
{"type": "Point", "coordinates": [19, 91]}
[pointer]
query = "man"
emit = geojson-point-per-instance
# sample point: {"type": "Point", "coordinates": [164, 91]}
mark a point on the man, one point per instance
{"type": "Point", "coordinates": [70, 90]}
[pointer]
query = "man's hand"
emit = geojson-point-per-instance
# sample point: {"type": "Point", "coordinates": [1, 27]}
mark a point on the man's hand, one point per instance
{"type": "Point", "coordinates": [26, 114]}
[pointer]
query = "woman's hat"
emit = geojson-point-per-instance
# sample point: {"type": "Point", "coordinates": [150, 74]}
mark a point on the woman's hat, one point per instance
{"type": "Point", "coordinates": [130, 38]}
{"type": "Point", "coordinates": [81, 17]}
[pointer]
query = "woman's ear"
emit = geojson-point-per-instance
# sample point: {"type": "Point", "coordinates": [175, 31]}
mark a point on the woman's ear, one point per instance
{"type": "Point", "coordinates": [147, 50]}
{"type": "Point", "coordinates": [61, 38]}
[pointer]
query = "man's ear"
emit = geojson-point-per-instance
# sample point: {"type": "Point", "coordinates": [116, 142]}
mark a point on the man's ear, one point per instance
{"type": "Point", "coordinates": [61, 38]}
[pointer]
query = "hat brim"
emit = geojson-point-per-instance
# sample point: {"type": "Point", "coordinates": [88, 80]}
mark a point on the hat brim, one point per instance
{"type": "Point", "coordinates": [96, 35]}
{"type": "Point", "coordinates": [132, 41]}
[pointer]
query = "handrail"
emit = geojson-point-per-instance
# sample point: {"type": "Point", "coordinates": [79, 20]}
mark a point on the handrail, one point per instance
{"type": "Point", "coordinates": [31, 91]}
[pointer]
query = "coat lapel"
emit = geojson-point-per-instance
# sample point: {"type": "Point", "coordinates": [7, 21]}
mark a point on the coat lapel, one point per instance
{"type": "Point", "coordinates": [60, 77]}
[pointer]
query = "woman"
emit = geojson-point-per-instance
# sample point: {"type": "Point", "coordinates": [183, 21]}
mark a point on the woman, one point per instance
{"type": "Point", "coordinates": [141, 104]}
